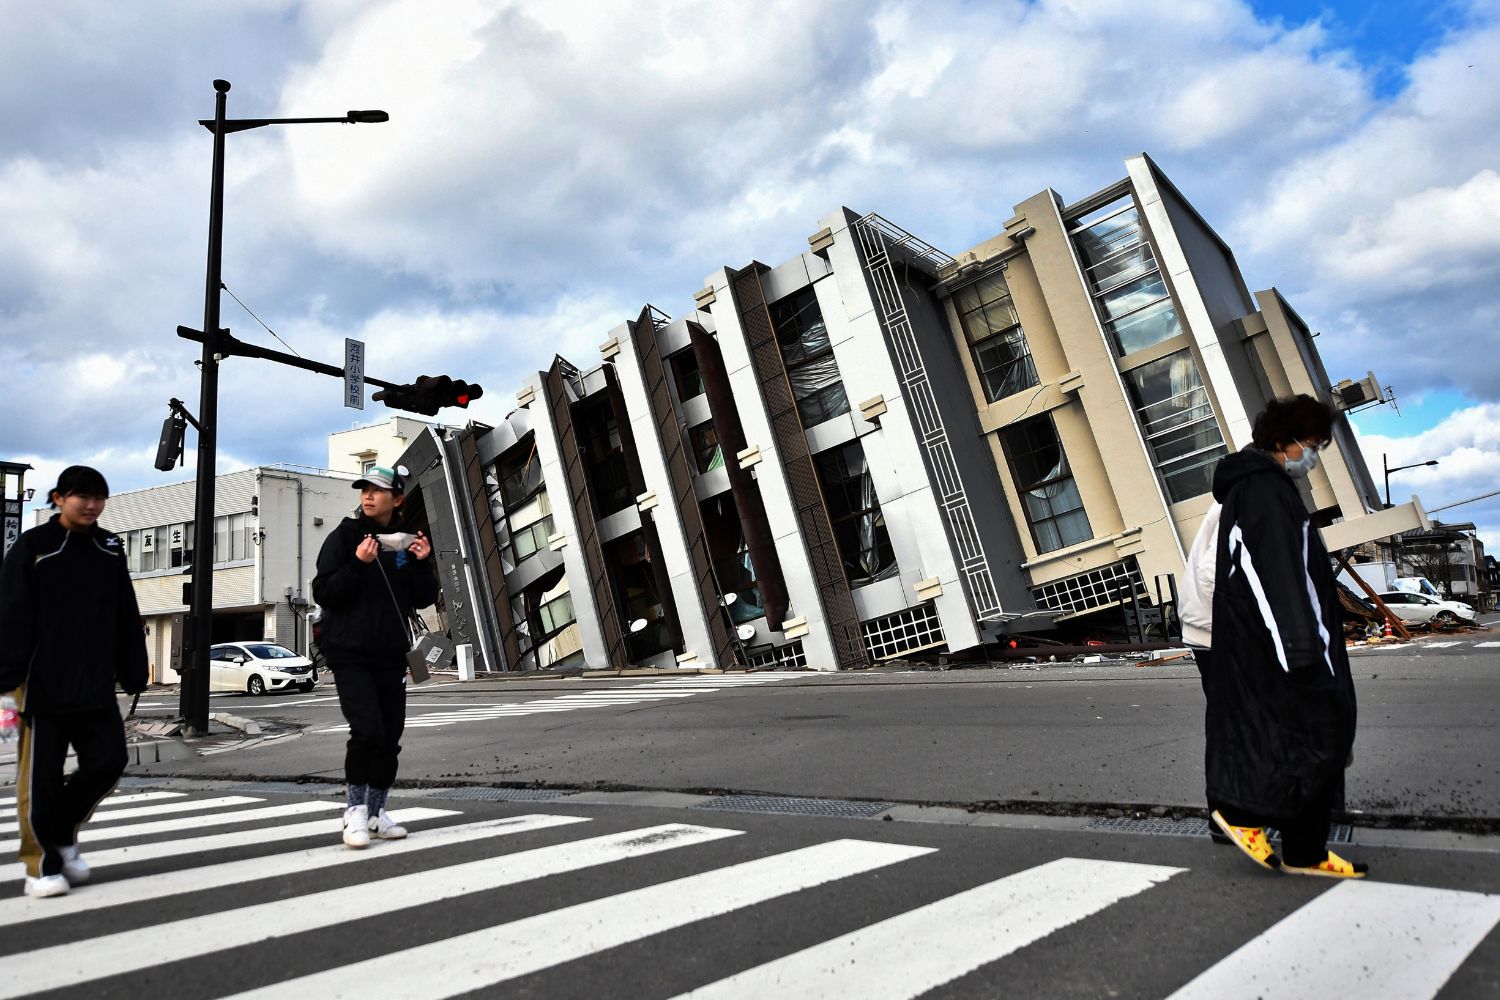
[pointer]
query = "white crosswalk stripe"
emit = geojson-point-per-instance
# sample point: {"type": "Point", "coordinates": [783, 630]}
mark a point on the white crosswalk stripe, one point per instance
{"type": "Point", "coordinates": [1440, 645]}
{"type": "Point", "coordinates": [62, 965]}
{"type": "Point", "coordinates": [157, 809]}
{"type": "Point", "coordinates": [1486, 645]}
{"type": "Point", "coordinates": [921, 950]}
{"type": "Point", "coordinates": [631, 694]}
{"type": "Point", "coordinates": [92, 834]}
{"type": "Point", "coordinates": [1408, 942]}
{"type": "Point", "coordinates": [498, 954]}
{"type": "Point", "coordinates": [113, 800]}
{"type": "Point", "coordinates": [230, 873]}
{"type": "Point", "coordinates": [1389, 941]}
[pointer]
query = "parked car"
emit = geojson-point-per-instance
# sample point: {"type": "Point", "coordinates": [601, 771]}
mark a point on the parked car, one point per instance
{"type": "Point", "coordinates": [1418, 609]}
{"type": "Point", "coordinates": [258, 667]}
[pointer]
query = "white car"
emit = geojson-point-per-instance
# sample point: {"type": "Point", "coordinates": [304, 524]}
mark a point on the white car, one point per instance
{"type": "Point", "coordinates": [258, 667]}
{"type": "Point", "coordinates": [1418, 609]}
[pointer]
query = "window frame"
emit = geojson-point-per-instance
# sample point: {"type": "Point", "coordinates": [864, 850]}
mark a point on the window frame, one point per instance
{"type": "Point", "coordinates": [827, 401]}
{"type": "Point", "coordinates": [1102, 291]}
{"type": "Point", "coordinates": [1206, 456]}
{"type": "Point", "coordinates": [1012, 335]}
{"type": "Point", "coordinates": [1010, 439]}
{"type": "Point", "coordinates": [851, 511]}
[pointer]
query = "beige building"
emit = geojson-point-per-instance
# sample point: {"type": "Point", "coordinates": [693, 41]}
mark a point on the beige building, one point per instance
{"type": "Point", "coordinates": [1114, 354]}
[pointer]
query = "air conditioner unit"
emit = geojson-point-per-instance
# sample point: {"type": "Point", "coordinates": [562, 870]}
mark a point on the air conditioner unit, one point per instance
{"type": "Point", "coordinates": [1351, 395]}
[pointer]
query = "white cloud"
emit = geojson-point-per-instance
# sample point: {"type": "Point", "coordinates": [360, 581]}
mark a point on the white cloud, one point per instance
{"type": "Point", "coordinates": [1466, 446]}
{"type": "Point", "coordinates": [548, 168]}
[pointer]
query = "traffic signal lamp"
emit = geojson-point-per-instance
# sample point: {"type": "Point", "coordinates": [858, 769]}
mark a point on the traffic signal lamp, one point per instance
{"type": "Point", "coordinates": [169, 445]}
{"type": "Point", "coordinates": [429, 394]}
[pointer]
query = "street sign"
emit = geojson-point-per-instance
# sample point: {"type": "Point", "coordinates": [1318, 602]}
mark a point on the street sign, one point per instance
{"type": "Point", "coordinates": [354, 373]}
{"type": "Point", "coordinates": [12, 526]}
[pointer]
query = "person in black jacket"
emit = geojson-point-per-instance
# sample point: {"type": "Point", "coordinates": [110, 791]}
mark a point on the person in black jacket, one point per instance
{"type": "Point", "coordinates": [70, 630]}
{"type": "Point", "coordinates": [1281, 708]}
{"type": "Point", "coordinates": [371, 576]}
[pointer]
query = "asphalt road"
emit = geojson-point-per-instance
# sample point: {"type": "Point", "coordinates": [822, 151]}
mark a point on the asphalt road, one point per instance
{"type": "Point", "coordinates": [585, 896]}
{"type": "Point", "coordinates": [1088, 737]}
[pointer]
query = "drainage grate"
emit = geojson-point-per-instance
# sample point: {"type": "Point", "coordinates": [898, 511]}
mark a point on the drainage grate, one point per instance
{"type": "Point", "coordinates": [1340, 833]}
{"type": "Point", "coordinates": [1157, 827]}
{"type": "Point", "coordinates": [802, 807]}
{"type": "Point", "coordinates": [494, 794]}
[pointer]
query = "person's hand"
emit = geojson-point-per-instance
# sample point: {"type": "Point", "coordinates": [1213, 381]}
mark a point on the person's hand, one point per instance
{"type": "Point", "coordinates": [420, 547]}
{"type": "Point", "coordinates": [368, 550]}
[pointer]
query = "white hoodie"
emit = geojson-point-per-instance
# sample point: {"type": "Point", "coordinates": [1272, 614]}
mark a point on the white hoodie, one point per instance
{"type": "Point", "coordinates": [1197, 596]}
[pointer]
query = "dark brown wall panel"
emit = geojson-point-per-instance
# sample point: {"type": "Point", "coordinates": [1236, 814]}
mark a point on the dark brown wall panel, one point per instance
{"type": "Point", "coordinates": [839, 615]}
{"type": "Point", "coordinates": [654, 372]}
{"type": "Point", "coordinates": [598, 582]}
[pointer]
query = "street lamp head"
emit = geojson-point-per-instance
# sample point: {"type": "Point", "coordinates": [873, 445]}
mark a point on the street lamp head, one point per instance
{"type": "Point", "coordinates": [1431, 462]}
{"type": "Point", "coordinates": [370, 117]}
{"type": "Point", "coordinates": [222, 86]}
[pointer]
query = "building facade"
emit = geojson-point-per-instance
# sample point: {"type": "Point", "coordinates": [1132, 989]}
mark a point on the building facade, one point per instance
{"type": "Point", "coordinates": [875, 448]}
{"type": "Point", "coordinates": [269, 526]}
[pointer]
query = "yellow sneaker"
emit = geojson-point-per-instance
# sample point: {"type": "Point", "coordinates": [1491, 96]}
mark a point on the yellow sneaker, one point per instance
{"type": "Point", "coordinates": [1251, 840]}
{"type": "Point", "coordinates": [1332, 866]}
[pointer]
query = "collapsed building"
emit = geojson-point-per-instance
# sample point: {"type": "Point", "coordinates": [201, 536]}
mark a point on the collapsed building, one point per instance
{"type": "Point", "coordinates": [875, 449]}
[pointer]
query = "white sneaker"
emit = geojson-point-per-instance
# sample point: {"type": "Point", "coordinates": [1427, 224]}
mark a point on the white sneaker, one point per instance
{"type": "Point", "coordinates": [75, 869]}
{"type": "Point", "coordinates": [46, 885]}
{"type": "Point", "coordinates": [357, 826]}
{"type": "Point", "coordinates": [382, 827]}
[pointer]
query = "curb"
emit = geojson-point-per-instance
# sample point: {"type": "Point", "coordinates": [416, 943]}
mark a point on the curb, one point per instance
{"type": "Point", "coordinates": [247, 726]}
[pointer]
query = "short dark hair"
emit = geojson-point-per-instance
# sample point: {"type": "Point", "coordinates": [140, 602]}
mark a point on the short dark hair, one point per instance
{"type": "Point", "coordinates": [80, 479]}
{"type": "Point", "coordinates": [1293, 418]}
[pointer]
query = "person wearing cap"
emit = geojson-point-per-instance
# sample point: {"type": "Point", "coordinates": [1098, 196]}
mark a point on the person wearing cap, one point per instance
{"type": "Point", "coordinates": [70, 629]}
{"type": "Point", "coordinates": [368, 590]}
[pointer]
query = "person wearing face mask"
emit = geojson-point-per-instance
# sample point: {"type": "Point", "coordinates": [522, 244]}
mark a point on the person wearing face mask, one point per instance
{"type": "Point", "coordinates": [1281, 707]}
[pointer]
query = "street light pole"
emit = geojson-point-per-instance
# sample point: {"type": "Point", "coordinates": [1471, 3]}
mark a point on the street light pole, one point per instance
{"type": "Point", "coordinates": [1396, 539]}
{"type": "Point", "coordinates": [1399, 468]}
{"type": "Point", "coordinates": [193, 695]}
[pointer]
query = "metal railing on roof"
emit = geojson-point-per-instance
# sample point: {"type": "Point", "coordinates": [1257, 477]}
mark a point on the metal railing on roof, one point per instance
{"type": "Point", "coordinates": [877, 238]}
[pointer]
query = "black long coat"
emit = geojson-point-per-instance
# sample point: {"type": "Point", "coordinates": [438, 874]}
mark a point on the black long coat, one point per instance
{"type": "Point", "coordinates": [1281, 708]}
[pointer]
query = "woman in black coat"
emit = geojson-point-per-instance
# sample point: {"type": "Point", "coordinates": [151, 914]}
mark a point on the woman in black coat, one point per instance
{"type": "Point", "coordinates": [1281, 709]}
{"type": "Point", "coordinates": [367, 592]}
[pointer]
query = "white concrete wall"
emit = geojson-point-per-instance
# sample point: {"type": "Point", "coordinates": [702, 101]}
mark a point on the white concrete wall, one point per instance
{"type": "Point", "coordinates": [897, 467]}
{"type": "Point", "coordinates": [564, 523]}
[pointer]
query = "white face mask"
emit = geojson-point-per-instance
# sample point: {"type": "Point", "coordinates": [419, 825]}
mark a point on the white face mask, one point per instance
{"type": "Point", "coordinates": [1298, 468]}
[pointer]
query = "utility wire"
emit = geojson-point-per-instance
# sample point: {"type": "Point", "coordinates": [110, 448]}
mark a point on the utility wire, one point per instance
{"type": "Point", "coordinates": [259, 320]}
{"type": "Point", "coordinates": [1460, 503]}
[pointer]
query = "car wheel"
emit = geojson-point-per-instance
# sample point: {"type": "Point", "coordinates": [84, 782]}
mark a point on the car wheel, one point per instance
{"type": "Point", "coordinates": [1445, 618]}
{"type": "Point", "coordinates": [256, 686]}
{"type": "Point", "coordinates": [305, 688]}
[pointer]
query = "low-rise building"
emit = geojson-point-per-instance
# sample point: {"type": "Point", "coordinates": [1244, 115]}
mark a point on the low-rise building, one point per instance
{"type": "Point", "coordinates": [875, 448]}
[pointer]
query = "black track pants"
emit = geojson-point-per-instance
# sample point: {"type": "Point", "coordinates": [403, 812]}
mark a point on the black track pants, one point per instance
{"type": "Point", "coordinates": [50, 807]}
{"type": "Point", "coordinates": [373, 700]}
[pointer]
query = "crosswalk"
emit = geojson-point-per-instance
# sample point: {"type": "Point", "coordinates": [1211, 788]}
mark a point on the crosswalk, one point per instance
{"type": "Point", "coordinates": [623, 695]}
{"type": "Point", "coordinates": [279, 879]}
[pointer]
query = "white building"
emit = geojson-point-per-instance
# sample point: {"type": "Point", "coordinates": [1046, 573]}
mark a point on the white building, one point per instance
{"type": "Point", "coordinates": [269, 524]}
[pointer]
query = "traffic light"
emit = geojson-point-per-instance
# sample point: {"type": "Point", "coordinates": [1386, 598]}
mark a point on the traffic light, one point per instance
{"type": "Point", "coordinates": [429, 394]}
{"type": "Point", "coordinates": [169, 447]}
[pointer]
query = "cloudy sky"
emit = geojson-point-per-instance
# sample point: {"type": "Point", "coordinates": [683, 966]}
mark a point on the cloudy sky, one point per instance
{"type": "Point", "coordinates": [550, 167]}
